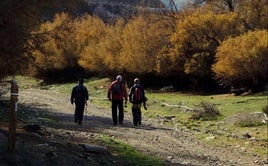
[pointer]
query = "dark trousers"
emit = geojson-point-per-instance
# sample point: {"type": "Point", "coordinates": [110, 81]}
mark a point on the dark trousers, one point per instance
{"type": "Point", "coordinates": [79, 111]}
{"type": "Point", "coordinates": [117, 104]}
{"type": "Point", "coordinates": [136, 112]}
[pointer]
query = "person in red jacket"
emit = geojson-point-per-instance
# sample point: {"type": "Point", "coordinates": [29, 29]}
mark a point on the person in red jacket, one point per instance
{"type": "Point", "coordinates": [117, 92]}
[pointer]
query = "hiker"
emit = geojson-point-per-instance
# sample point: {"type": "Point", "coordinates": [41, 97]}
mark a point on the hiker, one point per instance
{"type": "Point", "coordinates": [79, 96]}
{"type": "Point", "coordinates": [116, 93]}
{"type": "Point", "coordinates": [137, 98]}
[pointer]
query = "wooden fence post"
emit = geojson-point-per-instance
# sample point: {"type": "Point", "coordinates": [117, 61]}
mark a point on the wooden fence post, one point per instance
{"type": "Point", "coordinates": [12, 116]}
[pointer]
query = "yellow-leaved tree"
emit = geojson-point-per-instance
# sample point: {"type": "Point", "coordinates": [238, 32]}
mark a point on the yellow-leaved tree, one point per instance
{"type": "Point", "coordinates": [242, 61]}
{"type": "Point", "coordinates": [110, 47]}
{"type": "Point", "coordinates": [197, 37]}
{"type": "Point", "coordinates": [253, 13]}
{"type": "Point", "coordinates": [91, 32]}
{"type": "Point", "coordinates": [55, 53]}
{"type": "Point", "coordinates": [144, 39]}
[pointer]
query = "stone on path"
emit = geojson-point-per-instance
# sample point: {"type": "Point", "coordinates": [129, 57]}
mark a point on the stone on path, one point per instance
{"type": "Point", "coordinates": [94, 149]}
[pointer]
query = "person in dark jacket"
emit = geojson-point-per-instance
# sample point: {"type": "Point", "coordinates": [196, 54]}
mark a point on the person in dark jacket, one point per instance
{"type": "Point", "coordinates": [117, 92]}
{"type": "Point", "coordinates": [137, 98]}
{"type": "Point", "coordinates": [79, 96]}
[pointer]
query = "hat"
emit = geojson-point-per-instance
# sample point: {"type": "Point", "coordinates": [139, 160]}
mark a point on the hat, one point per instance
{"type": "Point", "coordinates": [119, 78]}
{"type": "Point", "coordinates": [136, 81]}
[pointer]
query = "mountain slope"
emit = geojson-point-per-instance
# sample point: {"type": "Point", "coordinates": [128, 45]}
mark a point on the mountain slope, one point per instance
{"type": "Point", "coordinates": [110, 10]}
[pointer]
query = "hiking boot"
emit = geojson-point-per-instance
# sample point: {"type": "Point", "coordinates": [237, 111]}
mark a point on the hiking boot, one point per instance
{"type": "Point", "coordinates": [139, 123]}
{"type": "Point", "coordinates": [79, 123]}
{"type": "Point", "coordinates": [120, 122]}
{"type": "Point", "coordinates": [75, 120]}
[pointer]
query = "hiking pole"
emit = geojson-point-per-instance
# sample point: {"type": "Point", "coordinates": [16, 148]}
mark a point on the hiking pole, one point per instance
{"type": "Point", "coordinates": [85, 110]}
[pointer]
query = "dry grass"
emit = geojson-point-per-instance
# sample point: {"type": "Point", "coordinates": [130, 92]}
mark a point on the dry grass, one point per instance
{"type": "Point", "coordinates": [246, 119]}
{"type": "Point", "coordinates": [206, 111]}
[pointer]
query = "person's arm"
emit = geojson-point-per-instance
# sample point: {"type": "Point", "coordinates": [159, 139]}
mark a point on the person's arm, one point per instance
{"type": "Point", "coordinates": [109, 91]}
{"type": "Point", "coordinates": [144, 99]}
{"type": "Point", "coordinates": [72, 96]}
{"type": "Point", "coordinates": [125, 94]}
{"type": "Point", "coordinates": [86, 91]}
{"type": "Point", "coordinates": [130, 95]}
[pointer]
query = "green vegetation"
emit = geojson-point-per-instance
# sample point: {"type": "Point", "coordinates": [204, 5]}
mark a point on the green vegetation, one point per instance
{"type": "Point", "coordinates": [129, 154]}
{"type": "Point", "coordinates": [226, 105]}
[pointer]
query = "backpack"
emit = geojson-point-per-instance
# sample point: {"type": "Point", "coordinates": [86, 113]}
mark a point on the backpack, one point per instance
{"type": "Point", "coordinates": [79, 94]}
{"type": "Point", "coordinates": [137, 95]}
{"type": "Point", "coordinates": [117, 88]}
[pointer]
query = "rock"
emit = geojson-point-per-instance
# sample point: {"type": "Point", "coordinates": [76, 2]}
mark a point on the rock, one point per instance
{"type": "Point", "coordinates": [210, 138]}
{"type": "Point", "coordinates": [42, 145]}
{"type": "Point", "coordinates": [169, 157]}
{"type": "Point", "coordinates": [167, 89]}
{"type": "Point", "coordinates": [246, 135]}
{"type": "Point", "coordinates": [94, 149]}
{"type": "Point", "coordinates": [32, 128]}
{"type": "Point", "coordinates": [51, 154]}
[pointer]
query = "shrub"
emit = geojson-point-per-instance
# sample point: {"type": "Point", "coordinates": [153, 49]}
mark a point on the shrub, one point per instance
{"type": "Point", "coordinates": [249, 120]}
{"type": "Point", "coordinates": [265, 109]}
{"type": "Point", "coordinates": [206, 111]}
{"type": "Point", "coordinates": [245, 119]}
{"type": "Point", "coordinates": [4, 87]}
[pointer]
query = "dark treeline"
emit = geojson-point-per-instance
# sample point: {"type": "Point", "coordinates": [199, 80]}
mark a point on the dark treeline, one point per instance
{"type": "Point", "coordinates": [209, 46]}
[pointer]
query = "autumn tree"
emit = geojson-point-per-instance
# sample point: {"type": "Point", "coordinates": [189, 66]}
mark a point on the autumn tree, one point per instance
{"type": "Point", "coordinates": [111, 46]}
{"type": "Point", "coordinates": [143, 44]}
{"type": "Point", "coordinates": [242, 60]}
{"type": "Point", "coordinates": [18, 19]}
{"type": "Point", "coordinates": [133, 47]}
{"type": "Point", "coordinates": [253, 13]}
{"type": "Point", "coordinates": [198, 36]}
{"type": "Point", "coordinates": [92, 32]}
{"type": "Point", "coordinates": [56, 52]}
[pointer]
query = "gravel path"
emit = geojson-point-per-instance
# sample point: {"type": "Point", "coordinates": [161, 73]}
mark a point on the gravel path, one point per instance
{"type": "Point", "coordinates": [176, 145]}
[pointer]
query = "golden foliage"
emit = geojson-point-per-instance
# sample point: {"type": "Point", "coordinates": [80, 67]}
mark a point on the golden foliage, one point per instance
{"type": "Point", "coordinates": [253, 13]}
{"type": "Point", "coordinates": [243, 58]}
{"type": "Point", "coordinates": [197, 37]}
{"type": "Point", "coordinates": [183, 43]}
{"type": "Point", "coordinates": [94, 33]}
{"type": "Point", "coordinates": [55, 51]}
{"type": "Point", "coordinates": [142, 44]}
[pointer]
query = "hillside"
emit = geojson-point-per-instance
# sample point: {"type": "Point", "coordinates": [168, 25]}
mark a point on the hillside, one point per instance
{"type": "Point", "coordinates": [145, 3]}
{"type": "Point", "coordinates": [109, 10]}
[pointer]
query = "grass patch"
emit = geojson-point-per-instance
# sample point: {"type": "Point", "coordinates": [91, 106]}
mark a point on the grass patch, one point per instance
{"type": "Point", "coordinates": [128, 153]}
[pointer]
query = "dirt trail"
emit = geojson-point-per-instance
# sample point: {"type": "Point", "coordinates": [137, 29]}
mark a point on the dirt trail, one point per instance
{"type": "Point", "coordinates": [178, 146]}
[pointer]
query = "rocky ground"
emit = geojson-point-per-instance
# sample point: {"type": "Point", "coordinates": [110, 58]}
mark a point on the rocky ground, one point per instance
{"type": "Point", "coordinates": [63, 142]}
